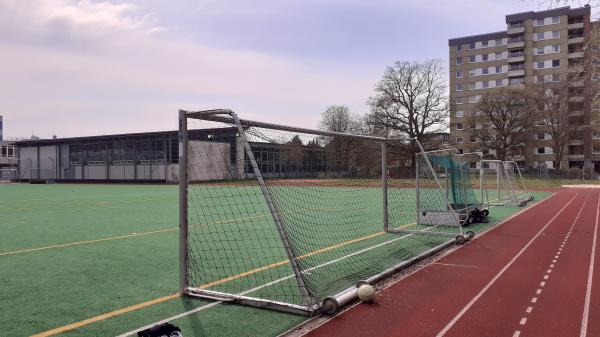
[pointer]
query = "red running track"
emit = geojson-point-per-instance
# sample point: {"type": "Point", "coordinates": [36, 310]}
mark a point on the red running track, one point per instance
{"type": "Point", "coordinates": [527, 277]}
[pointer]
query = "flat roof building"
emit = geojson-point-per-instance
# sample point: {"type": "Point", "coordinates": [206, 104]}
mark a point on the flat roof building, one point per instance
{"type": "Point", "coordinates": [543, 46]}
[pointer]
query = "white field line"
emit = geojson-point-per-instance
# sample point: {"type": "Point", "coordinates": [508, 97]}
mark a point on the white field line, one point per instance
{"type": "Point", "coordinates": [501, 272]}
{"type": "Point", "coordinates": [183, 314]}
{"type": "Point", "coordinates": [588, 293]}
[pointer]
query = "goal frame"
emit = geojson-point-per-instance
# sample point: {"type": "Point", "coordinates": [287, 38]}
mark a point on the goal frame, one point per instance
{"type": "Point", "coordinates": [310, 304]}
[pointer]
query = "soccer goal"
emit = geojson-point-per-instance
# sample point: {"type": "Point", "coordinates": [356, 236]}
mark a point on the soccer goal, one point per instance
{"type": "Point", "coordinates": [504, 177]}
{"type": "Point", "coordinates": [8, 175]}
{"type": "Point", "coordinates": [295, 219]}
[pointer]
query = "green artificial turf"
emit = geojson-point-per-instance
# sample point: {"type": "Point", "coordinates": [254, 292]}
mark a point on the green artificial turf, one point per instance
{"type": "Point", "coordinates": [48, 288]}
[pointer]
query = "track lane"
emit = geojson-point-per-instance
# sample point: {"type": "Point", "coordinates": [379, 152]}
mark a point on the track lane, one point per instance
{"type": "Point", "coordinates": [423, 303]}
{"type": "Point", "coordinates": [519, 304]}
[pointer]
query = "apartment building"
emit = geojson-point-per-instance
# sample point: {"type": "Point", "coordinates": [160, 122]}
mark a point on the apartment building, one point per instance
{"type": "Point", "coordinates": [536, 46]}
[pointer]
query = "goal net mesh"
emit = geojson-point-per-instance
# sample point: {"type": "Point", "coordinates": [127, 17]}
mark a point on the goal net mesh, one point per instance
{"type": "Point", "coordinates": [318, 224]}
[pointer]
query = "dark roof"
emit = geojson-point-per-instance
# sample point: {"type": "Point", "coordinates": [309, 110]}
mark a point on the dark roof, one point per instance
{"type": "Point", "coordinates": [520, 17]}
{"type": "Point", "coordinates": [551, 12]}
{"type": "Point", "coordinates": [121, 136]}
{"type": "Point", "coordinates": [475, 38]}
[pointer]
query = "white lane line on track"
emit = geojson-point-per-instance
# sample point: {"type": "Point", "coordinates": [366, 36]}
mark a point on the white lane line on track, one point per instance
{"type": "Point", "coordinates": [588, 293]}
{"type": "Point", "coordinates": [501, 272]}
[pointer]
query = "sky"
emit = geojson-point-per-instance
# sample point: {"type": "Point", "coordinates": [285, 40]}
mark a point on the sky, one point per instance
{"type": "Point", "coordinates": [84, 67]}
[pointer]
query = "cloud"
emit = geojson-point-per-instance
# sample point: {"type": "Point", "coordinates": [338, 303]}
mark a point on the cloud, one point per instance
{"type": "Point", "coordinates": [80, 67]}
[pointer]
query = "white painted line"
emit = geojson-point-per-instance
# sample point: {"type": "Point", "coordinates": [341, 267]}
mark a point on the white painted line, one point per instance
{"type": "Point", "coordinates": [534, 300]}
{"type": "Point", "coordinates": [545, 277]}
{"type": "Point", "coordinates": [588, 292]}
{"type": "Point", "coordinates": [517, 333]}
{"type": "Point", "coordinates": [553, 261]}
{"type": "Point", "coordinates": [542, 284]}
{"type": "Point", "coordinates": [528, 310]}
{"type": "Point", "coordinates": [548, 271]}
{"type": "Point", "coordinates": [454, 265]}
{"type": "Point", "coordinates": [539, 291]}
{"type": "Point", "coordinates": [523, 321]}
{"type": "Point", "coordinates": [502, 271]}
{"type": "Point", "coordinates": [552, 265]}
{"type": "Point", "coordinates": [556, 256]}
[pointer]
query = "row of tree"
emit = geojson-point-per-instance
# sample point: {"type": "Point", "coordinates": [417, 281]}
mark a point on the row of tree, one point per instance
{"type": "Point", "coordinates": [411, 101]}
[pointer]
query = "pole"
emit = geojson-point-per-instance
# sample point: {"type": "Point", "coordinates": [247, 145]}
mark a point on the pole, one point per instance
{"type": "Point", "coordinates": [183, 202]}
{"type": "Point", "coordinates": [384, 177]}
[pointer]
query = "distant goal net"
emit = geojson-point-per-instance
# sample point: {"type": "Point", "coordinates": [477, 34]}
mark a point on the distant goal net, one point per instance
{"type": "Point", "coordinates": [8, 175]}
{"type": "Point", "coordinates": [294, 219]}
{"type": "Point", "coordinates": [504, 180]}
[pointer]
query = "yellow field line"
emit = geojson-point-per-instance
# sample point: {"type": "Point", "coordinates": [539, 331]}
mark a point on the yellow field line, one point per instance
{"type": "Point", "coordinates": [86, 242]}
{"type": "Point", "coordinates": [204, 286]}
{"type": "Point", "coordinates": [106, 315]}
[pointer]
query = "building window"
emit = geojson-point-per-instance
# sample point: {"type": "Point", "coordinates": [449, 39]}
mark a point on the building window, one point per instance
{"type": "Point", "coordinates": [498, 56]}
{"type": "Point", "coordinates": [458, 100]}
{"type": "Point", "coordinates": [498, 69]}
{"type": "Point", "coordinates": [459, 113]}
{"type": "Point", "coordinates": [555, 49]}
{"type": "Point", "coordinates": [556, 19]}
{"type": "Point", "coordinates": [485, 84]}
{"type": "Point", "coordinates": [484, 57]}
{"type": "Point", "coordinates": [541, 136]}
{"type": "Point", "coordinates": [555, 77]}
{"type": "Point", "coordinates": [539, 65]}
{"type": "Point", "coordinates": [539, 51]}
{"type": "Point", "coordinates": [459, 87]}
{"type": "Point", "coordinates": [461, 151]}
{"type": "Point", "coordinates": [555, 34]}
{"type": "Point", "coordinates": [459, 60]}
{"type": "Point", "coordinates": [541, 150]}
{"type": "Point", "coordinates": [539, 36]}
{"type": "Point", "coordinates": [459, 126]}
{"type": "Point", "coordinates": [485, 71]}
{"type": "Point", "coordinates": [498, 83]}
{"type": "Point", "coordinates": [459, 74]}
{"type": "Point", "coordinates": [459, 140]}
{"type": "Point", "coordinates": [472, 58]}
{"type": "Point", "coordinates": [473, 139]}
{"type": "Point", "coordinates": [484, 44]}
{"type": "Point", "coordinates": [459, 47]}
{"type": "Point", "coordinates": [555, 63]}
{"type": "Point", "coordinates": [472, 45]}
{"type": "Point", "coordinates": [539, 22]}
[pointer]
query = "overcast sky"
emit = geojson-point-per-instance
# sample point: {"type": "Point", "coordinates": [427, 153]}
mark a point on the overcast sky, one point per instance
{"type": "Point", "coordinates": [74, 68]}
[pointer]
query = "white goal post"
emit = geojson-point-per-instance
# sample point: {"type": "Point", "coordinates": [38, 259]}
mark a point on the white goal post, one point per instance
{"type": "Point", "coordinates": [295, 219]}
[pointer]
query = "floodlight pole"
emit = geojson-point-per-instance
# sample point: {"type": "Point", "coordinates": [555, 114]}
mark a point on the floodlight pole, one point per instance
{"type": "Point", "coordinates": [183, 202]}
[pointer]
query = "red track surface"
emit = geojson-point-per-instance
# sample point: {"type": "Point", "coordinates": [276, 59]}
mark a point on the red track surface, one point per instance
{"type": "Point", "coordinates": [527, 277]}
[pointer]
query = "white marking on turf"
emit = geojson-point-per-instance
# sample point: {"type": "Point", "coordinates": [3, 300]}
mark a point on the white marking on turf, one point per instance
{"type": "Point", "coordinates": [528, 310]}
{"type": "Point", "coordinates": [517, 333]}
{"type": "Point", "coordinates": [539, 291]}
{"type": "Point", "coordinates": [542, 284]}
{"type": "Point", "coordinates": [588, 292]}
{"type": "Point", "coordinates": [501, 272]}
{"type": "Point", "coordinates": [523, 321]}
{"type": "Point", "coordinates": [534, 300]}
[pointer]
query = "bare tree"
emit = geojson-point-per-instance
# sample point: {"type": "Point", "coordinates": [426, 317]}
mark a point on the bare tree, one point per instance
{"type": "Point", "coordinates": [503, 121]}
{"type": "Point", "coordinates": [410, 101]}
{"type": "Point", "coordinates": [550, 97]}
{"type": "Point", "coordinates": [338, 118]}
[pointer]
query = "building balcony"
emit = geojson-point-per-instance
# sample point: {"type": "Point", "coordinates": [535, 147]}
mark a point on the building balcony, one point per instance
{"type": "Point", "coordinates": [576, 54]}
{"type": "Point", "coordinates": [513, 45]}
{"type": "Point", "coordinates": [514, 59]}
{"type": "Point", "coordinates": [575, 25]}
{"type": "Point", "coordinates": [576, 99]}
{"type": "Point", "coordinates": [516, 73]}
{"type": "Point", "coordinates": [576, 84]}
{"type": "Point", "coordinates": [575, 40]}
{"type": "Point", "coordinates": [575, 142]}
{"type": "Point", "coordinates": [576, 156]}
{"type": "Point", "coordinates": [517, 86]}
{"type": "Point", "coordinates": [515, 30]}
{"type": "Point", "coordinates": [576, 113]}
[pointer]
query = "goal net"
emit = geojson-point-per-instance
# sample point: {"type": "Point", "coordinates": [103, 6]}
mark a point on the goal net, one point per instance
{"type": "Point", "coordinates": [293, 219]}
{"type": "Point", "coordinates": [8, 175]}
{"type": "Point", "coordinates": [504, 177]}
